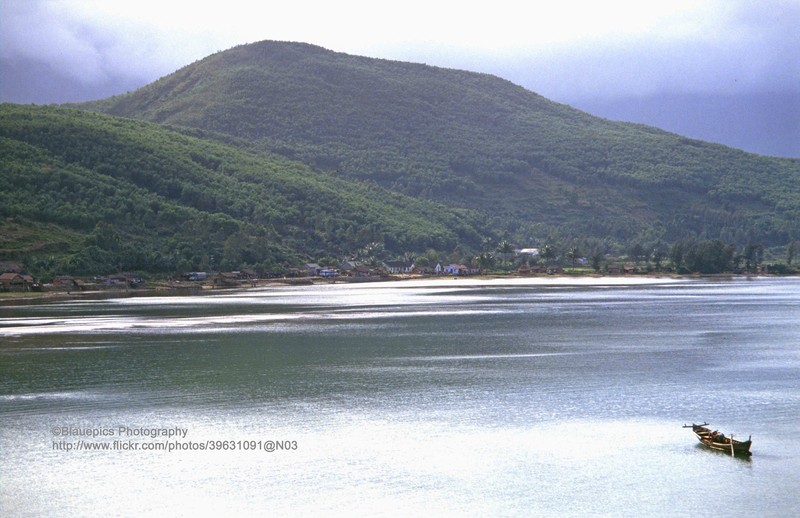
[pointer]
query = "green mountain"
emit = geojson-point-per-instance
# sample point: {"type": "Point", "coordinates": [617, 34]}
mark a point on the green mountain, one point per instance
{"type": "Point", "coordinates": [91, 193]}
{"type": "Point", "coordinates": [272, 153]}
{"type": "Point", "coordinates": [538, 171]}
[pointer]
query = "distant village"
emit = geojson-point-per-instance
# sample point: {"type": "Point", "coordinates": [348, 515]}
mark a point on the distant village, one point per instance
{"type": "Point", "coordinates": [15, 277]}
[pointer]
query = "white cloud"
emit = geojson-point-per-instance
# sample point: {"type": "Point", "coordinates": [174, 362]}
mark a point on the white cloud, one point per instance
{"type": "Point", "coordinates": [30, 30]}
{"type": "Point", "coordinates": [565, 49]}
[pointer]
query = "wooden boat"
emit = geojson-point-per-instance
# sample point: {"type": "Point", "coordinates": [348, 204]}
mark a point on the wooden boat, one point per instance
{"type": "Point", "coordinates": [719, 441]}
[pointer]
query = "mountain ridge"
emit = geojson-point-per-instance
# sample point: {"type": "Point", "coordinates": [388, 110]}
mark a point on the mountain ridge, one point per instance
{"type": "Point", "coordinates": [457, 137]}
{"type": "Point", "coordinates": [350, 152]}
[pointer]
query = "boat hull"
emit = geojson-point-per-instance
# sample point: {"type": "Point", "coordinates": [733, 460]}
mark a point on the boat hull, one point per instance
{"type": "Point", "coordinates": [718, 441]}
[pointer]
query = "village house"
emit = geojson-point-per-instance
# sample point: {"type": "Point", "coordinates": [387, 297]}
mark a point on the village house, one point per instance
{"type": "Point", "coordinates": [424, 270]}
{"type": "Point", "coordinates": [13, 281]}
{"type": "Point", "coordinates": [227, 279]}
{"type": "Point", "coordinates": [397, 267]}
{"type": "Point", "coordinates": [248, 274]}
{"type": "Point", "coordinates": [347, 264]}
{"type": "Point", "coordinates": [529, 252]}
{"type": "Point", "coordinates": [68, 282]}
{"type": "Point", "coordinates": [361, 270]}
{"type": "Point", "coordinates": [456, 269]}
{"type": "Point", "coordinates": [123, 279]}
{"type": "Point", "coordinates": [615, 269]}
{"type": "Point", "coordinates": [312, 269]}
{"type": "Point", "coordinates": [528, 270]}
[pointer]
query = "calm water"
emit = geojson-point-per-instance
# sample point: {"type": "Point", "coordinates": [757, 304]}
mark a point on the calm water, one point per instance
{"type": "Point", "coordinates": [493, 398]}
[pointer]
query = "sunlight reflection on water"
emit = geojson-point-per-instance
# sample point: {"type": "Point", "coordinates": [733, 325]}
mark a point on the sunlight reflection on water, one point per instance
{"type": "Point", "coordinates": [449, 398]}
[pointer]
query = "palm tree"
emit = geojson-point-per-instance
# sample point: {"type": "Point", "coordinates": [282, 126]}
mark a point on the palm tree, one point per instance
{"type": "Point", "coordinates": [485, 260]}
{"type": "Point", "coordinates": [573, 253]}
{"type": "Point", "coordinates": [597, 260]}
{"type": "Point", "coordinates": [791, 252]}
{"type": "Point", "coordinates": [371, 254]}
{"type": "Point", "coordinates": [505, 250]}
{"type": "Point", "coordinates": [658, 258]}
{"type": "Point", "coordinates": [753, 255]}
{"type": "Point", "coordinates": [548, 253]}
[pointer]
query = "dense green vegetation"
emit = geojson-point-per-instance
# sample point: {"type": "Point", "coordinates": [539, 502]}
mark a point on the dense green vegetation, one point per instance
{"type": "Point", "coordinates": [269, 154]}
{"type": "Point", "coordinates": [538, 170]}
{"type": "Point", "coordinates": [91, 193]}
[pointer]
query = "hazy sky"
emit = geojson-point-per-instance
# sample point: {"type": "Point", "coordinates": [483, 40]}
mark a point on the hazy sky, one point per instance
{"type": "Point", "coordinates": [629, 58]}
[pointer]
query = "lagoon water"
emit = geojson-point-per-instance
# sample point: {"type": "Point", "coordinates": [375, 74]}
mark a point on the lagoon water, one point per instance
{"type": "Point", "coordinates": [442, 398]}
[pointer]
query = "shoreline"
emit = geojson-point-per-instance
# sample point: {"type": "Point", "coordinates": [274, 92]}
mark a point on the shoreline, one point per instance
{"type": "Point", "coordinates": [163, 289]}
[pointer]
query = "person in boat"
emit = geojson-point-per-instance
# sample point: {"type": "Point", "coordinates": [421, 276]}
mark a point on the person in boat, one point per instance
{"type": "Point", "coordinates": [717, 436]}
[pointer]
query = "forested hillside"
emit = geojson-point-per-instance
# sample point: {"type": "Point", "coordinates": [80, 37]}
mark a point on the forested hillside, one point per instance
{"type": "Point", "coordinates": [273, 153]}
{"type": "Point", "coordinates": [90, 193]}
{"type": "Point", "coordinates": [538, 171]}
